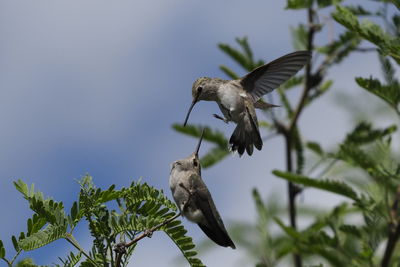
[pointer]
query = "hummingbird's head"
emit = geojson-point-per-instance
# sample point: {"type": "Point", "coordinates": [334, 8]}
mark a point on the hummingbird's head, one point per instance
{"type": "Point", "coordinates": [190, 163]}
{"type": "Point", "coordinates": [203, 89]}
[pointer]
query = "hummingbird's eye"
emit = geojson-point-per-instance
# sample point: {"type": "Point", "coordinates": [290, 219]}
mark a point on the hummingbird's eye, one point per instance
{"type": "Point", "coordinates": [195, 163]}
{"type": "Point", "coordinates": [199, 89]}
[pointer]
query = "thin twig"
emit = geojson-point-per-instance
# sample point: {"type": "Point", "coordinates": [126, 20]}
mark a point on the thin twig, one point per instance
{"type": "Point", "coordinates": [120, 248]}
{"type": "Point", "coordinates": [308, 76]}
{"type": "Point", "coordinates": [366, 49]}
{"type": "Point", "coordinates": [7, 261]}
{"type": "Point", "coordinates": [394, 231]}
{"type": "Point", "coordinates": [71, 240]}
{"type": "Point", "coordinates": [293, 190]}
{"type": "Point", "coordinates": [15, 257]}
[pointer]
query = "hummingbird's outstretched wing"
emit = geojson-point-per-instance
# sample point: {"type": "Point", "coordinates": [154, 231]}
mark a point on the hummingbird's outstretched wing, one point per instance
{"type": "Point", "coordinates": [266, 78]}
{"type": "Point", "coordinates": [213, 227]}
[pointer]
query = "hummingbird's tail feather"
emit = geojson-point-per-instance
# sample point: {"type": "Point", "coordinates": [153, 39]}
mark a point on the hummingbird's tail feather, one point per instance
{"type": "Point", "coordinates": [246, 135]}
{"type": "Point", "coordinates": [257, 141]}
{"type": "Point", "coordinates": [260, 104]}
{"type": "Point", "coordinates": [218, 235]}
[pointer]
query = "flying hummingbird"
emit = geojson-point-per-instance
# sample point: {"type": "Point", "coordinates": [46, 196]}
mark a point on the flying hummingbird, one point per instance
{"type": "Point", "coordinates": [194, 200]}
{"type": "Point", "coordinates": [238, 99]}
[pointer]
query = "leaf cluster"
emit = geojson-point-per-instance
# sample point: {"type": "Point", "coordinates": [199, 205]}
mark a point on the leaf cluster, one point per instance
{"type": "Point", "coordinates": [140, 207]}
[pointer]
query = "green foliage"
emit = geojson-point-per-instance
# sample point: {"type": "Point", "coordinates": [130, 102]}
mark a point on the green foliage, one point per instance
{"type": "Point", "coordinates": [372, 32]}
{"type": "Point", "coordinates": [217, 153]}
{"type": "Point", "coordinates": [261, 240]}
{"type": "Point", "coordinates": [214, 156]}
{"type": "Point", "coordinates": [28, 262]}
{"type": "Point", "coordinates": [336, 187]}
{"type": "Point", "coordinates": [327, 3]}
{"type": "Point", "coordinates": [50, 210]}
{"type": "Point", "coordinates": [293, 82]}
{"type": "Point", "coordinates": [363, 134]}
{"type": "Point", "coordinates": [230, 73]}
{"type": "Point", "coordinates": [298, 4]}
{"type": "Point", "coordinates": [71, 261]}
{"type": "Point", "coordinates": [389, 93]}
{"type": "Point", "coordinates": [177, 233]}
{"type": "Point", "coordinates": [43, 237]}
{"type": "Point", "coordinates": [299, 148]}
{"type": "Point", "coordinates": [285, 101]}
{"type": "Point", "coordinates": [359, 10]}
{"type": "Point", "coordinates": [141, 208]}
{"type": "Point", "coordinates": [2, 250]}
{"type": "Point", "coordinates": [244, 59]}
{"type": "Point", "coordinates": [299, 37]}
{"type": "Point", "coordinates": [288, 230]}
{"type": "Point", "coordinates": [340, 48]}
{"type": "Point", "coordinates": [315, 147]}
{"type": "Point", "coordinates": [356, 149]}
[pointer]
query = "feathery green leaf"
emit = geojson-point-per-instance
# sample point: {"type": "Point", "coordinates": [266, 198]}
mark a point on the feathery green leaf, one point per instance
{"type": "Point", "coordinates": [315, 147]}
{"type": "Point", "coordinates": [185, 244]}
{"type": "Point", "coordinates": [298, 4]}
{"type": "Point", "coordinates": [389, 93]}
{"type": "Point", "coordinates": [2, 250]}
{"type": "Point", "coordinates": [214, 156]}
{"type": "Point", "coordinates": [43, 237]}
{"type": "Point", "coordinates": [336, 187]}
{"type": "Point", "coordinates": [370, 31]}
{"type": "Point", "coordinates": [230, 73]}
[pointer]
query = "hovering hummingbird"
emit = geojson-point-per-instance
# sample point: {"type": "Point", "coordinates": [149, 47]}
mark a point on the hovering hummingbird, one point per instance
{"type": "Point", "coordinates": [238, 99]}
{"type": "Point", "coordinates": [194, 200]}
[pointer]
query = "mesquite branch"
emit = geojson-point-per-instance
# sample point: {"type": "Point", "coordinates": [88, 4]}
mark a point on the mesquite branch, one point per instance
{"type": "Point", "coordinates": [120, 248]}
{"type": "Point", "coordinates": [394, 231]}
{"type": "Point", "coordinates": [289, 131]}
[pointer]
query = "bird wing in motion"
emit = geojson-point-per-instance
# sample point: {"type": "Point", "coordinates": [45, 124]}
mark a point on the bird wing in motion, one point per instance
{"type": "Point", "coordinates": [214, 227]}
{"type": "Point", "coordinates": [266, 78]}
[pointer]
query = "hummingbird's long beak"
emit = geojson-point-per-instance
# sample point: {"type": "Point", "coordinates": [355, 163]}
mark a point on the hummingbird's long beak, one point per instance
{"type": "Point", "coordinates": [196, 152]}
{"type": "Point", "coordinates": [191, 107]}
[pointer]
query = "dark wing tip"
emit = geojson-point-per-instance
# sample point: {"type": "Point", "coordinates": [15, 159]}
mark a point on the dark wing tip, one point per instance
{"type": "Point", "coordinates": [232, 245]}
{"type": "Point", "coordinates": [219, 236]}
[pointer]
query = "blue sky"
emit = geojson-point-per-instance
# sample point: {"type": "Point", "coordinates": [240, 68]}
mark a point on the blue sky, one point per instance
{"type": "Point", "coordinates": [93, 87]}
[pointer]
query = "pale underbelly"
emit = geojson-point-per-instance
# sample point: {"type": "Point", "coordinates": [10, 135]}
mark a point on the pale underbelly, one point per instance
{"type": "Point", "coordinates": [232, 114]}
{"type": "Point", "coordinates": [231, 103]}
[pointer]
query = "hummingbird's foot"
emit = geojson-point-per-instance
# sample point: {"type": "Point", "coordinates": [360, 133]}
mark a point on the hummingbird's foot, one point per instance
{"type": "Point", "coordinates": [220, 118]}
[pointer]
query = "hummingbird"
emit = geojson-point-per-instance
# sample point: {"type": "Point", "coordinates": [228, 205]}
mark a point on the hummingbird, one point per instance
{"type": "Point", "coordinates": [194, 200]}
{"type": "Point", "coordinates": [238, 99]}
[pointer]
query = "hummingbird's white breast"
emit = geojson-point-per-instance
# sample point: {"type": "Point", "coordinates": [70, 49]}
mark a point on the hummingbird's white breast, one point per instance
{"type": "Point", "coordinates": [194, 215]}
{"type": "Point", "coordinates": [231, 100]}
